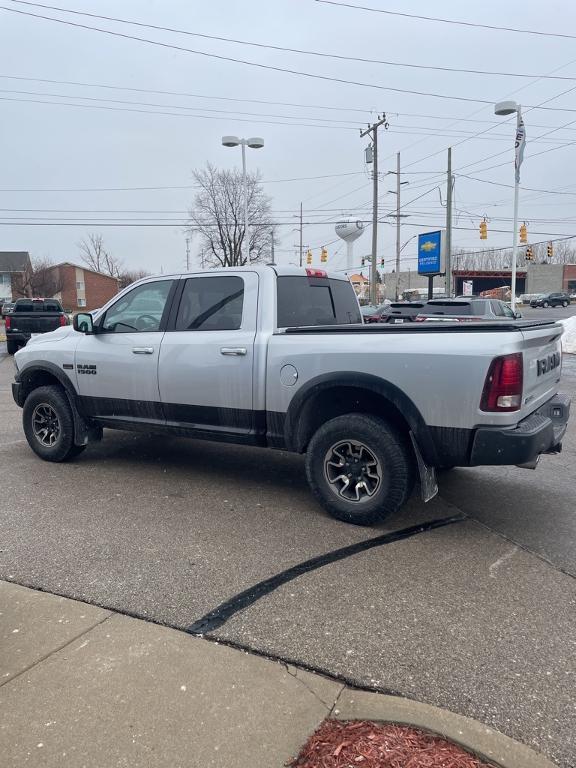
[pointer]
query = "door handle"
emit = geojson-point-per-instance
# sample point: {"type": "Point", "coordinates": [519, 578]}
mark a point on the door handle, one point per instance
{"type": "Point", "coordinates": [143, 350]}
{"type": "Point", "coordinates": [236, 351]}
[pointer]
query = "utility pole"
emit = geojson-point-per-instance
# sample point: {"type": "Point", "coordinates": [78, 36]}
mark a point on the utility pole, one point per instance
{"type": "Point", "coordinates": [372, 130]}
{"type": "Point", "coordinates": [397, 223]}
{"type": "Point", "coordinates": [301, 255]}
{"type": "Point", "coordinates": [448, 245]}
{"type": "Point", "coordinates": [272, 246]}
{"type": "Point", "coordinates": [187, 254]}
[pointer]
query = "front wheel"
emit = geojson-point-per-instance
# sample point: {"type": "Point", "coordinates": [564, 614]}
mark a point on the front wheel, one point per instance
{"type": "Point", "coordinates": [545, 305]}
{"type": "Point", "coordinates": [360, 468]}
{"type": "Point", "coordinates": [564, 304]}
{"type": "Point", "coordinates": [49, 424]}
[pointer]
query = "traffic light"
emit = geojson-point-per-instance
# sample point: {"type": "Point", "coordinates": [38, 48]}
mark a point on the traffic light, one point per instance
{"type": "Point", "coordinates": [523, 234]}
{"type": "Point", "coordinates": [549, 251]}
{"type": "Point", "coordinates": [382, 262]}
{"type": "Point", "coordinates": [363, 261]}
{"type": "Point", "coordinates": [483, 230]}
{"type": "Point", "coordinates": [529, 254]}
{"type": "Point", "coordinates": [324, 255]}
{"type": "Point", "coordinates": [309, 257]}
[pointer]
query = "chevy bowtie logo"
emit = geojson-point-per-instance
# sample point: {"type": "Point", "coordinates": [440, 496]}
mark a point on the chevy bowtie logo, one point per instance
{"type": "Point", "coordinates": [429, 245]}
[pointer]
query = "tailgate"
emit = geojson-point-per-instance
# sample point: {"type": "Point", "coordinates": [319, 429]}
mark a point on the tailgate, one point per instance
{"type": "Point", "coordinates": [542, 364]}
{"type": "Point", "coordinates": [29, 323]}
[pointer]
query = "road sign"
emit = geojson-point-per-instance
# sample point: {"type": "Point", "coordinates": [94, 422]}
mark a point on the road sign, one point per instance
{"type": "Point", "coordinates": [431, 253]}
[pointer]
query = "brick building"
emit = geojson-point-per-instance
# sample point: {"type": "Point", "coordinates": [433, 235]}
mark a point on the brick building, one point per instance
{"type": "Point", "coordinates": [81, 288]}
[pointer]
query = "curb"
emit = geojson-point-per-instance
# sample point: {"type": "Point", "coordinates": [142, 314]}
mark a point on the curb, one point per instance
{"type": "Point", "coordinates": [475, 737]}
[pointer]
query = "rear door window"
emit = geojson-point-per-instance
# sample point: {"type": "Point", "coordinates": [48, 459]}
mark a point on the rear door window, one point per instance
{"type": "Point", "coordinates": [211, 304]}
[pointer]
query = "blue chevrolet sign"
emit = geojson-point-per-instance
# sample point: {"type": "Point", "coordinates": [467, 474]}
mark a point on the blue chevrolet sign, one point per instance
{"type": "Point", "coordinates": [430, 253]}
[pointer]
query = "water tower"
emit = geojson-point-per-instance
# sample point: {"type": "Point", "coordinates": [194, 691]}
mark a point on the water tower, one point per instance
{"type": "Point", "coordinates": [349, 232]}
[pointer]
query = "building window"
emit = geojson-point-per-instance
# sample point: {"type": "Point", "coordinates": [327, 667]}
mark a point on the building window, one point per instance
{"type": "Point", "coordinates": [79, 286]}
{"type": "Point", "coordinates": [571, 286]}
{"type": "Point", "coordinates": [81, 302]}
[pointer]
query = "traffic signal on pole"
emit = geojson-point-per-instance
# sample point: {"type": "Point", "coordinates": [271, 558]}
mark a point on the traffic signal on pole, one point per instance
{"type": "Point", "coordinates": [523, 234]}
{"type": "Point", "coordinates": [549, 251]}
{"type": "Point", "coordinates": [324, 255]}
{"type": "Point", "coordinates": [529, 254]}
{"type": "Point", "coordinates": [382, 263]}
{"type": "Point", "coordinates": [309, 257]}
{"type": "Point", "coordinates": [363, 261]}
{"type": "Point", "coordinates": [483, 230]}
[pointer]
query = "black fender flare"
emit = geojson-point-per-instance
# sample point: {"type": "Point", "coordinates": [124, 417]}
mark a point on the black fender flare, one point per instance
{"type": "Point", "coordinates": [84, 431]}
{"type": "Point", "coordinates": [367, 382]}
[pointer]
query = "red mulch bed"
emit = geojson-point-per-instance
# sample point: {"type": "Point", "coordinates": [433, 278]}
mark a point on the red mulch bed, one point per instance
{"type": "Point", "coordinates": [363, 744]}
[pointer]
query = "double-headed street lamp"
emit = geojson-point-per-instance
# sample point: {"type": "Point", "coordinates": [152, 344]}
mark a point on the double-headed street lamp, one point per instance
{"type": "Point", "coordinates": [508, 108]}
{"type": "Point", "coordinates": [253, 143]}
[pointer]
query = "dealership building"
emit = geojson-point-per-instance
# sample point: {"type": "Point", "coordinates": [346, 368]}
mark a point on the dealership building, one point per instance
{"type": "Point", "coordinates": [534, 278]}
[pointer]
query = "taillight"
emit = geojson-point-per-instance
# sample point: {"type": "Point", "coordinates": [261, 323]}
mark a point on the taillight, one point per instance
{"type": "Point", "coordinates": [316, 273]}
{"type": "Point", "coordinates": [419, 319]}
{"type": "Point", "coordinates": [63, 320]}
{"type": "Point", "coordinates": [503, 386]}
{"type": "Point", "coordinates": [8, 322]}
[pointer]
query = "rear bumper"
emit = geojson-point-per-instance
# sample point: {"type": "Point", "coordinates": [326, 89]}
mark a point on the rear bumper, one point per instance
{"type": "Point", "coordinates": [541, 432]}
{"type": "Point", "coordinates": [19, 336]}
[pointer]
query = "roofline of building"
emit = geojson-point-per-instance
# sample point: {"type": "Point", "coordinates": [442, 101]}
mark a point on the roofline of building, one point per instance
{"type": "Point", "coordinates": [84, 269]}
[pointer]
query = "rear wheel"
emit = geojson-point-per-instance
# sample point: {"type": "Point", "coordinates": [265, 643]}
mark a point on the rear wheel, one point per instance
{"type": "Point", "coordinates": [12, 347]}
{"type": "Point", "coordinates": [545, 305]}
{"type": "Point", "coordinates": [49, 424]}
{"type": "Point", "coordinates": [564, 304]}
{"type": "Point", "coordinates": [360, 468]}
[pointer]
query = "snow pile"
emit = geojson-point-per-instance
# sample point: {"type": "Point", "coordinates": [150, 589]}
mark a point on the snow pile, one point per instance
{"type": "Point", "coordinates": [569, 335]}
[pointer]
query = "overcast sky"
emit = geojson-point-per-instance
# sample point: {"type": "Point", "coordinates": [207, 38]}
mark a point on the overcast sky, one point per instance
{"type": "Point", "coordinates": [50, 151]}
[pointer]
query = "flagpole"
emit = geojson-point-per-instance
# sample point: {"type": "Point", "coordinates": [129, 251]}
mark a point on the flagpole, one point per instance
{"type": "Point", "coordinates": [515, 223]}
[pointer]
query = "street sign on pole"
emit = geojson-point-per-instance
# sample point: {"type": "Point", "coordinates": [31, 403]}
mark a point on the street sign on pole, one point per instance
{"type": "Point", "coordinates": [431, 253]}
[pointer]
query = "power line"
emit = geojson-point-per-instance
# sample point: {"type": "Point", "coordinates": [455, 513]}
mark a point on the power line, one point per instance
{"type": "Point", "coordinates": [441, 20]}
{"type": "Point", "coordinates": [159, 92]}
{"type": "Point", "coordinates": [300, 51]}
{"type": "Point", "coordinates": [299, 73]}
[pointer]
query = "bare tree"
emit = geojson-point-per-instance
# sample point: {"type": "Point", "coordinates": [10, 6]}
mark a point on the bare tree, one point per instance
{"type": "Point", "coordinates": [129, 276]}
{"type": "Point", "coordinates": [217, 215]}
{"type": "Point", "coordinates": [44, 279]}
{"type": "Point", "coordinates": [96, 257]}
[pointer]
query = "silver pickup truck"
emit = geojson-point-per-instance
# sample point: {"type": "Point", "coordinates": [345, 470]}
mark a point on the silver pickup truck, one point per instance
{"type": "Point", "coordinates": [278, 357]}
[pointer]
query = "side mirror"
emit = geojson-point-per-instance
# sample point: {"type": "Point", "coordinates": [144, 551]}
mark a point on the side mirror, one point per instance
{"type": "Point", "coordinates": [83, 322]}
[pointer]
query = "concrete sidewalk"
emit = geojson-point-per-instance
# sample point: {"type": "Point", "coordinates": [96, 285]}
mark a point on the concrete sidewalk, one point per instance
{"type": "Point", "coordinates": [83, 686]}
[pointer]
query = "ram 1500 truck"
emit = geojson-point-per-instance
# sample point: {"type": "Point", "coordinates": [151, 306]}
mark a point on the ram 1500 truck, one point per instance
{"type": "Point", "coordinates": [278, 357]}
{"type": "Point", "coordinates": [30, 317]}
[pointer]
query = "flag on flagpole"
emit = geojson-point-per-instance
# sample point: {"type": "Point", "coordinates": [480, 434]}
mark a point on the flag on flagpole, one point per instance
{"type": "Point", "coordinates": [519, 146]}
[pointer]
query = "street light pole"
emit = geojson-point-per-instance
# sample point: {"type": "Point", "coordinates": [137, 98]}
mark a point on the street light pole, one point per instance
{"type": "Point", "coordinates": [508, 108]}
{"type": "Point", "coordinates": [253, 143]}
{"type": "Point", "coordinates": [245, 188]}
{"type": "Point", "coordinates": [397, 223]}
{"type": "Point", "coordinates": [515, 217]}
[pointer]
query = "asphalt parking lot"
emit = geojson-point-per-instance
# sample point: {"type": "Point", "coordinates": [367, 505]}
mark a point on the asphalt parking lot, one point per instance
{"type": "Point", "coordinates": [478, 615]}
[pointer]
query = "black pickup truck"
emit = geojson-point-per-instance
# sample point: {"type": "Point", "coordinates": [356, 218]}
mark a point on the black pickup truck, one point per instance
{"type": "Point", "coordinates": [31, 317]}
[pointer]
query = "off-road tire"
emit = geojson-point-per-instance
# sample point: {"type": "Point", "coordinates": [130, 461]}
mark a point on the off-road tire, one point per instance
{"type": "Point", "coordinates": [394, 460]}
{"type": "Point", "coordinates": [39, 404]}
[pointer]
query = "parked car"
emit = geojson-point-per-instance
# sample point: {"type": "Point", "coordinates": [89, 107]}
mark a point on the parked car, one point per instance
{"type": "Point", "coordinates": [7, 308]}
{"type": "Point", "coordinates": [395, 312]}
{"type": "Point", "coordinates": [466, 310]}
{"type": "Point", "coordinates": [551, 300]}
{"type": "Point", "coordinates": [31, 317]}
